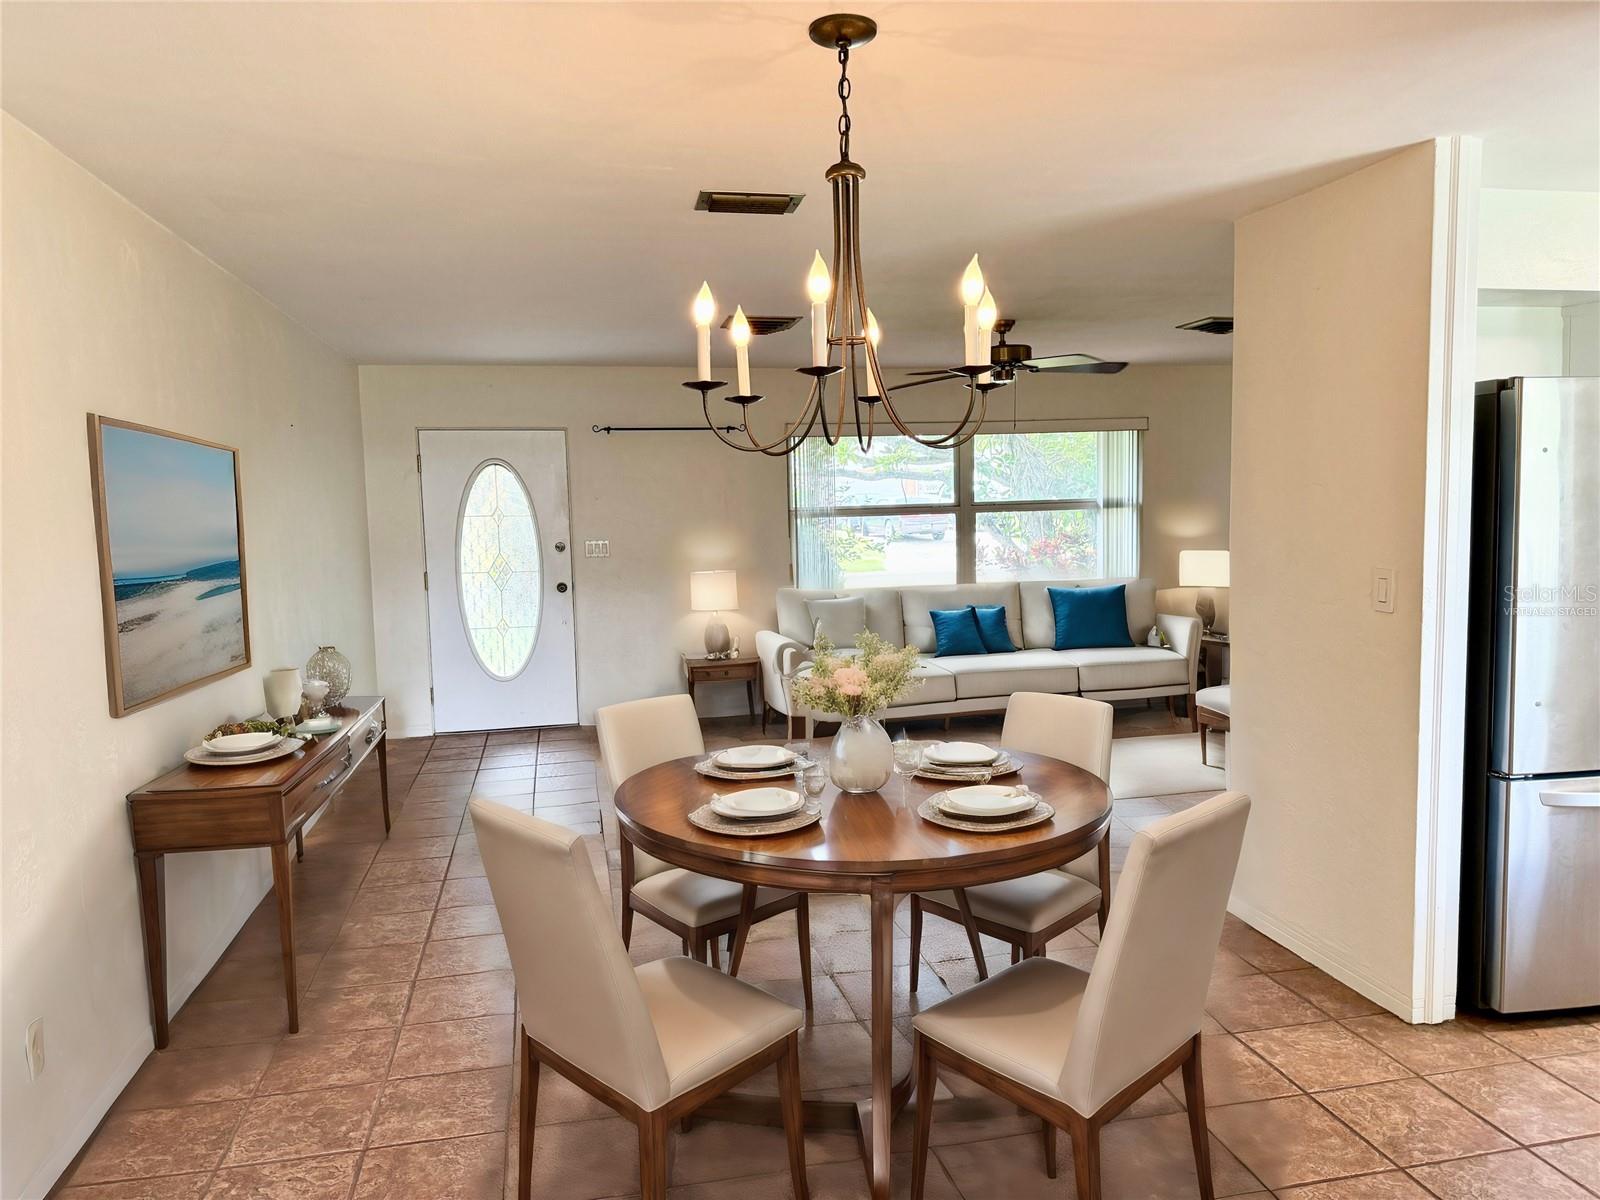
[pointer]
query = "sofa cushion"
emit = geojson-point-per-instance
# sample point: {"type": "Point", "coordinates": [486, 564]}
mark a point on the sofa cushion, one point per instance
{"type": "Point", "coordinates": [918, 602]}
{"type": "Point", "coordinates": [992, 628]}
{"type": "Point", "coordinates": [1121, 668]}
{"type": "Point", "coordinates": [883, 612]}
{"type": "Point", "coordinates": [979, 675]}
{"type": "Point", "coordinates": [1088, 617]}
{"type": "Point", "coordinates": [1039, 617]}
{"type": "Point", "coordinates": [839, 619]}
{"type": "Point", "coordinates": [1215, 698]}
{"type": "Point", "coordinates": [955, 631]}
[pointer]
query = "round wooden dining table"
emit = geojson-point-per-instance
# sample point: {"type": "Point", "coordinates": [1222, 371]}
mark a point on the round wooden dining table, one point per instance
{"type": "Point", "coordinates": [874, 845]}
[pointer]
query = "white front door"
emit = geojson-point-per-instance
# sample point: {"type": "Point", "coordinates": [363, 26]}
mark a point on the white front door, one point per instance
{"type": "Point", "coordinates": [494, 523]}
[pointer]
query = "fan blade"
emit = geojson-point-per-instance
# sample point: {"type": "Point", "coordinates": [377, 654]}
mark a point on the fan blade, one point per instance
{"type": "Point", "coordinates": [1086, 364]}
{"type": "Point", "coordinates": [942, 377]}
{"type": "Point", "coordinates": [940, 371]}
{"type": "Point", "coordinates": [1094, 368]}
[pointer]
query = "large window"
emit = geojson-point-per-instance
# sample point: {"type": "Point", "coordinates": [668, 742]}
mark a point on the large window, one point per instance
{"type": "Point", "coordinates": [1048, 505]}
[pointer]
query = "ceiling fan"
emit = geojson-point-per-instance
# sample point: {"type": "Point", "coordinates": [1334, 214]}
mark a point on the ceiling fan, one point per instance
{"type": "Point", "coordinates": [1010, 357]}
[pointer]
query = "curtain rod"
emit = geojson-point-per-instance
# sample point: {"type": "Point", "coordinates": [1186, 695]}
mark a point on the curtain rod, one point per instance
{"type": "Point", "coordinates": [664, 428]}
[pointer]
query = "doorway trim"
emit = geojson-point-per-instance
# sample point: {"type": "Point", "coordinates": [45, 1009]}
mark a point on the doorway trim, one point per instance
{"type": "Point", "coordinates": [1446, 566]}
{"type": "Point", "coordinates": [422, 542]}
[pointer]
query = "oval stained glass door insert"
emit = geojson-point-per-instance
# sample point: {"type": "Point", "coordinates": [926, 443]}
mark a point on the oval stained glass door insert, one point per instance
{"type": "Point", "coordinates": [497, 570]}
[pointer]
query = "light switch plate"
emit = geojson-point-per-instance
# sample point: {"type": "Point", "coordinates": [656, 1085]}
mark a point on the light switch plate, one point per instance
{"type": "Point", "coordinates": [1383, 589]}
{"type": "Point", "coordinates": [597, 548]}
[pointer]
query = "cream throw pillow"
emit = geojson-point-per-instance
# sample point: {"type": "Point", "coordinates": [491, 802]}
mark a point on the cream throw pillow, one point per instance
{"type": "Point", "coordinates": [840, 621]}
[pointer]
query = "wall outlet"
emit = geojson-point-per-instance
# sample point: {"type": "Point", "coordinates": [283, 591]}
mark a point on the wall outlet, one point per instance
{"type": "Point", "coordinates": [1383, 589]}
{"type": "Point", "coordinates": [35, 1048]}
{"type": "Point", "coordinates": [597, 548]}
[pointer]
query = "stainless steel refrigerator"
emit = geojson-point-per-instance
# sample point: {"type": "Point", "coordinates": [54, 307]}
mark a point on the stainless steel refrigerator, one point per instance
{"type": "Point", "coordinates": [1530, 897]}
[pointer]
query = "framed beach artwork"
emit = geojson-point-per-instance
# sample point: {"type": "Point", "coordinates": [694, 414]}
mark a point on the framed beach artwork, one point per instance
{"type": "Point", "coordinates": [172, 582]}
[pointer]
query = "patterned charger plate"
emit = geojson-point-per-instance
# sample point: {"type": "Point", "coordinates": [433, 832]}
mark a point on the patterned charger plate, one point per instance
{"type": "Point", "coordinates": [929, 810]}
{"type": "Point", "coordinates": [1004, 765]}
{"type": "Point", "coordinates": [705, 818]}
{"type": "Point", "coordinates": [202, 757]}
{"type": "Point", "coordinates": [711, 771]}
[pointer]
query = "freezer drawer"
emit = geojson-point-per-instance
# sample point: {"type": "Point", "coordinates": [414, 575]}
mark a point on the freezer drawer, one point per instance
{"type": "Point", "coordinates": [1543, 916]}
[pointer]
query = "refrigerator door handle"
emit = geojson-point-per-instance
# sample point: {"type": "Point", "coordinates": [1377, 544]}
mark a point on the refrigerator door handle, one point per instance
{"type": "Point", "coordinates": [1570, 799]}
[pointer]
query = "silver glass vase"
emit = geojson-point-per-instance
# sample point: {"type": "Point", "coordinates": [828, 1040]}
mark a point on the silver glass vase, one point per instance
{"type": "Point", "coordinates": [862, 759]}
{"type": "Point", "coordinates": [333, 668]}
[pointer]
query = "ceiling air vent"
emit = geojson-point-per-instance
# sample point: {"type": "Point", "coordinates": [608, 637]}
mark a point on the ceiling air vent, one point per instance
{"type": "Point", "coordinates": [765, 204]}
{"type": "Point", "coordinates": [1218, 325]}
{"type": "Point", "coordinates": [761, 325]}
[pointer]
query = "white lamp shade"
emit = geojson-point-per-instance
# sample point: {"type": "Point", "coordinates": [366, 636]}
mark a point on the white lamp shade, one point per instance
{"type": "Point", "coordinates": [713, 591]}
{"type": "Point", "coordinates": [1203, 568]}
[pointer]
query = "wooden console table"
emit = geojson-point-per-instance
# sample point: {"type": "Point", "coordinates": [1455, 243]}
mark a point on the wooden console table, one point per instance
{"type": "Point", "coordinates": [231, 808]}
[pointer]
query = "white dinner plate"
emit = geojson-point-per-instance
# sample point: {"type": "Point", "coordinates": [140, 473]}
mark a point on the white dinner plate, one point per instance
{"type": "Point", "coordinates": [987, 800]}
{"type": "Point", "coordinates": [757, 804]}
{"type": "Point", "coordinates": [960, 754]}
{"type": "Point", "coordinates": [242, 743]}
{"type": "Point", "coordinates": [753, 758]}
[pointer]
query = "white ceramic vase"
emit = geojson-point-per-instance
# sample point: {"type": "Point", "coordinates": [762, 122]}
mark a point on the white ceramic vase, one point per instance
{"type": "Point", "coordinates": [862, 759]}
{"type": "Point", "coordinates": [283, 692]}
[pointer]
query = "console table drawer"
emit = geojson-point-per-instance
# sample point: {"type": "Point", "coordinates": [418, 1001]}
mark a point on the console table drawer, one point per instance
{"type": "Point", "coordinates": [324, 781]}
{"type": "Point", "coordinates": [712, 674]}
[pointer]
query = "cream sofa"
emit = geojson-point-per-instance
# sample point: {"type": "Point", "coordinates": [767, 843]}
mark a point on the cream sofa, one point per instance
{"type": "Point", "coordinates": [979, 683]}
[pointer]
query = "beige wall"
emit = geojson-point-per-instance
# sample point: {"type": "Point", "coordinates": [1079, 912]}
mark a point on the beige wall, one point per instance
{"type": "Point", "coordinates": [671, 503]}
{"type": "Point", "coordinates": [106, 311]}
{"type": "Point", "coordinates": [1329, 457]}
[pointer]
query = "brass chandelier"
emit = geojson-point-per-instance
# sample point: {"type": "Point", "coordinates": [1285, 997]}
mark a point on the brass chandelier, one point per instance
{"type": "Point", "coordinates": [846, 382]}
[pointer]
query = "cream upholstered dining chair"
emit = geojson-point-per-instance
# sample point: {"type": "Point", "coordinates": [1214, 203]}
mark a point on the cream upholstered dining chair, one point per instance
{"type": "Point", "coordinates": [653, 1042]}
{"type": "Point", "coordinates": [1077, 1048]}
{"type": "Point", "coordinates": [635, 736]}
{"type": "Point", "coordinates": [1028, 912]}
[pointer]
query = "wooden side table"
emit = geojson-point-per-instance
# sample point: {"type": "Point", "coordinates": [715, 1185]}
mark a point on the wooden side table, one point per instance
{"type": "Point", "coordinates": [698, 669]}
{"type": "Point", "coordinates": [1215, 647]}
{"type": "Point", "coordinates": [226, 808]}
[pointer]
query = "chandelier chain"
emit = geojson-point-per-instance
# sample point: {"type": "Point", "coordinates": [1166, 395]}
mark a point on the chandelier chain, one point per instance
{"type": "Point", "coordinates": [844, 101]}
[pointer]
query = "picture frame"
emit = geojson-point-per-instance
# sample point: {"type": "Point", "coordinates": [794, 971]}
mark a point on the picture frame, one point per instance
{"type": "Point", "coordinates": [169, 530]}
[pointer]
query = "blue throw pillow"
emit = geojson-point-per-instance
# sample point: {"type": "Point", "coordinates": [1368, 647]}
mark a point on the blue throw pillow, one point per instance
{"type": "Point", "coordinates": [992, 628]}
{"type": "Point", "coordinates": [1089, 617]}
{"type": "Point", "coordinates": [955, 630]}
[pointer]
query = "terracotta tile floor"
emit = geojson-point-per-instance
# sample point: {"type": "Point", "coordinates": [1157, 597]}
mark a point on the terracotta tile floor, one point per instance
{"type": "Point", "coordinates": [400, 1084]}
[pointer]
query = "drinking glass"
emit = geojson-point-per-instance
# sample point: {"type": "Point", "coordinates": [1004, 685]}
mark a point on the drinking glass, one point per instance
{"type": "Point", "coordinates": [812, 778]}
{"type": "Point", "coordinates": [907, 760]}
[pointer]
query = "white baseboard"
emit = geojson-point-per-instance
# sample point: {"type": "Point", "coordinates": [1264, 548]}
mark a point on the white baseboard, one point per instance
{"type": "Point", "coordinates": [1347, 972]}
{"type": "Point", "coordinates": [66, 1149]}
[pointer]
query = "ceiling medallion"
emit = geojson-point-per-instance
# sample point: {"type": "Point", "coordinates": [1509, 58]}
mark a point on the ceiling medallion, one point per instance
{"type": "Point", "coordinates": [844, 374]}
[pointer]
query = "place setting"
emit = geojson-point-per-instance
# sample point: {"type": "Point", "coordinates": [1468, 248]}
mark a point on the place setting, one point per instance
{"type": "Point", "coordinates": [966, 762]}
{"type": "Point", "coordinates": [746, 763]}
{"type": "Point", "coordinates": [986, 808]}
{"type": "Point", "coordinates": [242, 743]}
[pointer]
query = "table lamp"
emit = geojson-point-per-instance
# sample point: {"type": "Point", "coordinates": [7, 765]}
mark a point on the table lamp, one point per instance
{"type": "Point", "coordinates": [1204, 569]}
{"type": "Point", "coordinates": [715, 592]}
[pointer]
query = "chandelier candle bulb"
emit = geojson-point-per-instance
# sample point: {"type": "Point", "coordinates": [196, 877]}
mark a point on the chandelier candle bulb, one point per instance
{"type": "Point", "coordinates": [818, 286]}
{"type": "Point", "coordinates": [739, 331]}
{"type": "Point", "coordinates": [988, 313]}
{"type": "Point", "coordinates": [705, 311]}
{"type": "Point", "coordinates": [874, 333]}
{"type": "Point", "coordinates": [971, 294]}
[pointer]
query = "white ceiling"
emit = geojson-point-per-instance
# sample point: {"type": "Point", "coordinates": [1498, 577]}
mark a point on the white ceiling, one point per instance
{"type": "Point", "coordinates": [515, 182]}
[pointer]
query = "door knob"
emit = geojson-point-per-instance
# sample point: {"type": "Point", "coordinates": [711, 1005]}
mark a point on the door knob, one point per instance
{"type": "Point", "coordinates": [561, 587]}
{"type": "Point", "coordinates": [560, 546]}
